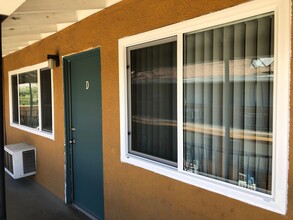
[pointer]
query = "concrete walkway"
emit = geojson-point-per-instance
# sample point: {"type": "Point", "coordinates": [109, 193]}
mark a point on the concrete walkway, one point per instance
{"type": "Point", "coordinates": [27, 200]}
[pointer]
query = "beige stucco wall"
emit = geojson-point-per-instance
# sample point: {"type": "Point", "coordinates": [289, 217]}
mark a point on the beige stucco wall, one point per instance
{"type": "Point", "coordinates": [130, 192]}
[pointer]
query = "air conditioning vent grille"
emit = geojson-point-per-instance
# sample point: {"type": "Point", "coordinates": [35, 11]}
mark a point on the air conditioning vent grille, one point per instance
{"type": "Point", "coordinates": [29, 164]}
{"type": "Point", "coordinates": [8, 162]}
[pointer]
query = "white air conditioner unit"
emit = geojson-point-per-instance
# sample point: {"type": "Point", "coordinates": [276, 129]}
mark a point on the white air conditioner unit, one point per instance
{"type": "Point", "coordinates": [20, 160]}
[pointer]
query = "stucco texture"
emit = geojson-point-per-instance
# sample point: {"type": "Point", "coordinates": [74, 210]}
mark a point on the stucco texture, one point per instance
{"type": "Point", "coordinates": [130, 192]}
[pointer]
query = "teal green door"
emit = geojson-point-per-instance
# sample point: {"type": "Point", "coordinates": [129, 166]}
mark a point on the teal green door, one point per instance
{"type": "Point", "coordinates": [84, 131]}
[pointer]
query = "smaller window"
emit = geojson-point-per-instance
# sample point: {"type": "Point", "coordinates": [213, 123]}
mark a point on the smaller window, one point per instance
{"type": "Point", "coordinates": [153, 96]}
{"type": "Point", "coordinates": [31, 99]}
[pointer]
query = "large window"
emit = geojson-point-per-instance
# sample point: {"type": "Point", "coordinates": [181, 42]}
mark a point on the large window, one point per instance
{"type": "Point", "coordinates": [206, 102]}
{"type": "Point", "coordinates": [228, 103]}
{"type": "Point", "coordinates": [31, 99]}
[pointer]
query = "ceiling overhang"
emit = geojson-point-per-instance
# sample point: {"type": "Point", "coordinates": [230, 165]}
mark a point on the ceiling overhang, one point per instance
{"type": "Point", "coordinates": [38, 19]}
{"type": "Point", "coordinates": [7, 7]}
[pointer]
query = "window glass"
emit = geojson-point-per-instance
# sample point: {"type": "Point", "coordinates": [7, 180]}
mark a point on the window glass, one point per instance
{"type": "Point", "coordinates": [46, 99]}
{"type": "Point", "coordinates": [228, 103]}
{"type": "Point", "coordinates": [153, 101]}
{"type": "Point", "coordinates": [28, 99]}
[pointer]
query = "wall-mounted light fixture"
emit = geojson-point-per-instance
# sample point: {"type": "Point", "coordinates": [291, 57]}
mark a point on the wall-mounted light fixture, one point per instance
{"type": "Point", "coordinates": [53, 61]}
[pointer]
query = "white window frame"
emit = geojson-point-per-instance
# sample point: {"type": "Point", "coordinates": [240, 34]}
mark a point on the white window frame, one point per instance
{"type": "Point", "coordinates": [277, 201]}
{"type": "Point", "coordinates": [39, 132]}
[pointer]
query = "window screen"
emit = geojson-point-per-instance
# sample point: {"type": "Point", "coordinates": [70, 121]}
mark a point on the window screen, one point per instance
{"type": "Point", "coordinates": [153, 98]}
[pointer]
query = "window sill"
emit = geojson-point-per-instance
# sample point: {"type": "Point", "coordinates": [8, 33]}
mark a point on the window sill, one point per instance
{"type": "Point", "coordinates": [251, 197]}
{"type": "Point", "coordinates": [49, 135]}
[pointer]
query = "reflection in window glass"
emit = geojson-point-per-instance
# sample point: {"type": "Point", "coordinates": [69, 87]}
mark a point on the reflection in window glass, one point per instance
{"type": "Point", "coordinates": [228, 103]}
{"type": "Point", "coordinates": [28, 99]}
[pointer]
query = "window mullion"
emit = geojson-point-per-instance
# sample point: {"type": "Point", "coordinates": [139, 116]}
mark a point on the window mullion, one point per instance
{"type": "Point", "coordinates": [18, 98]}
{"type": "Point", "coordinates": [129, 116]}
{"type": "Point", "coordinates": [180, 101]}
{"type": "Point", "coordinates": [52, 100]}
{"type": "Point", "coordinates": [39, 100]}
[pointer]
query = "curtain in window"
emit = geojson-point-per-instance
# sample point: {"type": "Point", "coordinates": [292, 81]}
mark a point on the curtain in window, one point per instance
{"type": "Point", "coordinates": [228, 103]}
{"type": "Point", "coordinates": [153, 102]}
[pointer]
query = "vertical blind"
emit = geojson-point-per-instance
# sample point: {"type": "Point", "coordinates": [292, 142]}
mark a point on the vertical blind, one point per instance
{"type": "Point", "coordinates": [228, 103]}
{"type": "Point", "coordinates": [153, 102]}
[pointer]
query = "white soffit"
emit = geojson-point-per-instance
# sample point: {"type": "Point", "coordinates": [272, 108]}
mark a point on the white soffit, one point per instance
{"type": "Point", "coordinates": [37, 19]}
{"type": "Point", "coordinates": [9, 6]}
